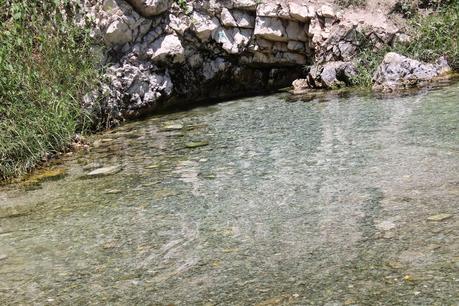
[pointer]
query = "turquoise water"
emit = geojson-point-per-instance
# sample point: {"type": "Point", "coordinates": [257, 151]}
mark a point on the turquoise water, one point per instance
{"type": "Point", "coordinates": [318, 203]}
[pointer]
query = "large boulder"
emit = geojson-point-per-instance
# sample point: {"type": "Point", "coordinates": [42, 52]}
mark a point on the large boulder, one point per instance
{"type": "Point", "coordinates": [332, 75]}
{"type": "Point", "coordinates": [398, 72]}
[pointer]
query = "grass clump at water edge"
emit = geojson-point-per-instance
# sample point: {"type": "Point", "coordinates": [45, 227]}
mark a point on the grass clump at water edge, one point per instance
{"type": "Point", "coordinates": [432, 36]}
{"type": "Point", "coordinates": [45, 69]}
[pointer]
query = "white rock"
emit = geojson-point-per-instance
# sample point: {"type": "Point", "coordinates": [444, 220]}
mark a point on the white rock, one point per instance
{"type": "Point", "coordinates": [242, 37]}
{"type": "Point", "coordinates": [300, 86]}
{"type": "Point", "coordinates": [326, 11]}
{"type": "Point", "coordinates": [250, 5]}
{"type": "Point", "coordinates": [270, 29]}
{"type": "Point", "coordinates": [118, 33]}
{"type": "Point", "coordinates": [225, 37]}
{"type": "Point", "coordinates": [104, 171]}
{"type": "Point", "coordinates": [397, 71]}
{"type": "Point", "coordinates": [167, 47]}
{"type": "Point", "coordinates": [204, 25]}
{"type": "Point", "coordinates": [268, 10]}
{"type": "Point", "coordinates": [301, 12]}
{"type": "Point", "coordinates": [385, 225]}
{"type": "Point", "coordinates": [179, 24]}
{"type": "Point", "coordinates": [227, 18]}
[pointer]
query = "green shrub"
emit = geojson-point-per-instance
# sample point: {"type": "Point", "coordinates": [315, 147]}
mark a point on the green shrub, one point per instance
{"type": "Point", "coordinates": [182, 4]}
{"type": "Point", "coordinates": [45, 69]}
{"type": "Point", "coordinates": [432, 36]}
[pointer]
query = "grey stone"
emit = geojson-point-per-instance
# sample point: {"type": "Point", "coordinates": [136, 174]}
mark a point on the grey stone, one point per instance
{"type": "Point", "coordinates": [118, 33]}
{"type": "Point", "coordinates": [398, 72]}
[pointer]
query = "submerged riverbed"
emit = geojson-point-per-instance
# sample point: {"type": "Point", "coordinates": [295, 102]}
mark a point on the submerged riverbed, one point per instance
{"type": "Point", "coordinates": [343, 200]}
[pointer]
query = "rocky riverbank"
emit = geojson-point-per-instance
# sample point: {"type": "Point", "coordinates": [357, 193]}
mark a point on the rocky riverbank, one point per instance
{"type": "Point", "coordinates": [162, 54]}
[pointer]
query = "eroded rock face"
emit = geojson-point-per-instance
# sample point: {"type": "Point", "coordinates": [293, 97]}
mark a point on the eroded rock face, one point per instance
{"type": "Point", "coordinates": [161, 54]}
{"type": "Point", "coordinates": [398, 72]}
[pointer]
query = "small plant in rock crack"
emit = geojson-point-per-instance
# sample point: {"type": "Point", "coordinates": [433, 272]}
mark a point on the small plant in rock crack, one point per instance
{"type": "Point", "coordinates": [182, 4]}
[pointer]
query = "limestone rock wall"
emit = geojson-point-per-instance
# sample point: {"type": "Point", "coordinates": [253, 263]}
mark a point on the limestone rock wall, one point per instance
{"type": "Point", "coordinates": [161, 54]}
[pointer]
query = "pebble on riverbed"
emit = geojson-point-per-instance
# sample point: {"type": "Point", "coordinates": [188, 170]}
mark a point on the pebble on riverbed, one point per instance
{"type": "Point", "coordinates": [439, 217]}
{"type": "Point", "coordinates": [113, 191]}
{"type": "Point", "coordinates": [104, 171]}
{"type": "Point", "coordinates": [171, 127]}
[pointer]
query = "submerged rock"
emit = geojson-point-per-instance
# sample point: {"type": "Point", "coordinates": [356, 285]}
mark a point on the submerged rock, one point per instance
{"type": "Point", "coordinates": [113, 191]}
{"type": "Point", "coordinates": [171, 127]}
{"type": "Point", "coordinates": [196, 144]}
{"type": "Point", "coordinates": [45, 175]}
{"type": "Point", "coordinates": [398, 72]}
{"type": "Point", "coordinates": [105, 171]}
{"type": "Point", "coordinates": [439, 217]}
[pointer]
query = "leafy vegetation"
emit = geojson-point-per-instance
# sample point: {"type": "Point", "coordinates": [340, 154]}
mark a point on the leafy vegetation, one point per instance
{"type": "Point", "coordinates": [432, 36]}
{"type": "Point", "coordinates": [182, 4]}
{"type": "Point", "coordinates": [410, 8]}
{"type": "Point", "coordinates": [45, 69]}
{"type": "Point", "coordinates": [435, 35]}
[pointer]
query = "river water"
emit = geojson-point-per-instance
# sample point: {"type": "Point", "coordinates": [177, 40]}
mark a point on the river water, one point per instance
{"type": "Point", "coordinates": [341, 200]}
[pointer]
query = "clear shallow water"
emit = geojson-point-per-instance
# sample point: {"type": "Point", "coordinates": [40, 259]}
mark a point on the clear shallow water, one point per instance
{"type": "Point", "coordinates": [321, 203]}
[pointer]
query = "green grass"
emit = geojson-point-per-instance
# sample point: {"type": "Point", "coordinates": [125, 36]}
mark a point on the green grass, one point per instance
{"type": "Point", "coordinates": [433, 36]}
{"type": "Point", "coordinates": [348, 3]}
{"type": "Point", "coordinates": [45, 69]}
